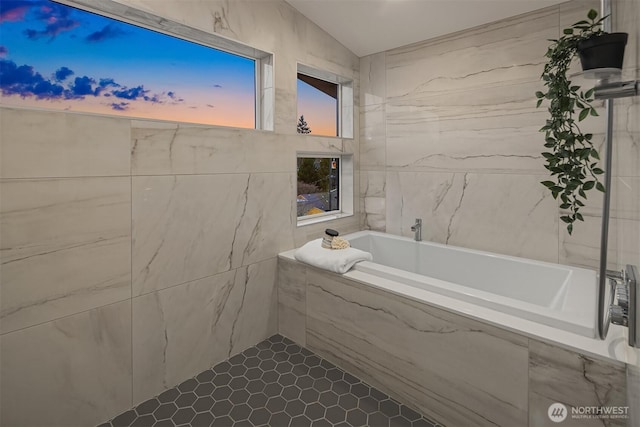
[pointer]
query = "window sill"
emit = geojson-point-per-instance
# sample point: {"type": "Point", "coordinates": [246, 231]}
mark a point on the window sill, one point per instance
{"type": "Point", "coordinates": [322, 218]}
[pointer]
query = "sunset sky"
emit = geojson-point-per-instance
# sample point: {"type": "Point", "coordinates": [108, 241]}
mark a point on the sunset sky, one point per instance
{"type": "Point", "coordinates": [55, 56]}
{"type": "Point", "coordinates": [319, 110]}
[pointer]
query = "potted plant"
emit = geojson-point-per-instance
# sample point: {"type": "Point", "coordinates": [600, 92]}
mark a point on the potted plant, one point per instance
{"type": "Point", "coordinates": [571, 157]}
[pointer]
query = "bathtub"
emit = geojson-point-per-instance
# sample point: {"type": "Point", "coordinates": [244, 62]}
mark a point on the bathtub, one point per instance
{"type": "Point", "coordinates": [555, 295]}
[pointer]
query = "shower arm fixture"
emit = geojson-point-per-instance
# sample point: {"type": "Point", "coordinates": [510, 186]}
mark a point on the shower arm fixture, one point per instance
{"type": "Point", "coordinates": [623, 305]}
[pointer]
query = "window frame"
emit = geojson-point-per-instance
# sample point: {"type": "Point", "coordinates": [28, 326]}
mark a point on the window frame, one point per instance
{"type": "Point", "coordinates": [264, 93]}
{"type": "Point", "coordinates": [345, 188]}
{"type": "Point", "coordinates": [344, 100]}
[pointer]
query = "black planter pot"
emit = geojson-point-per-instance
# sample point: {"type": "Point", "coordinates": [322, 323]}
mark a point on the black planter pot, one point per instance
{"type": "Point", "coordinates": [604, 51]}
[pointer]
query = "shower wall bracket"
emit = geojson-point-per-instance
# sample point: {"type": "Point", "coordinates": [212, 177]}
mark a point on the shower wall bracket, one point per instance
{"type": "Point", "coordinates": [611, 90]}
{"type": "Point", "coordinates": [625, 303]}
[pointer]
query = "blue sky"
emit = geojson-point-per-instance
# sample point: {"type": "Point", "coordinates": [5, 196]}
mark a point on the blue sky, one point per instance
{"type": "Point", "coordinates": [55, 56]}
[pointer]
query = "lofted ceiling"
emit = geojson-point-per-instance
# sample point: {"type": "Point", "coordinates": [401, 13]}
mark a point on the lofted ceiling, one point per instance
{"type": "Point", "coordinates": [370, 26]}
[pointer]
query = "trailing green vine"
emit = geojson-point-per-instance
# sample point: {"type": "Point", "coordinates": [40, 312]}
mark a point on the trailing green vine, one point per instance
{"type": "Point", "coordinates": [571, 156]}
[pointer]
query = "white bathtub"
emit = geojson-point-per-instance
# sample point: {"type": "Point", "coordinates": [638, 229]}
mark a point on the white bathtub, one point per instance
{"type": "Point", "coordinates": [555, 295]}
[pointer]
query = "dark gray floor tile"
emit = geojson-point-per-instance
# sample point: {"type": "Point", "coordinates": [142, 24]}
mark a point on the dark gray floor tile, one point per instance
{"type": "Point", "coordinates": [144, 421]}
{"type": "Point", "coordinates": [336, 414]}
{"type": "Point", "coordinates": [203, 404]}
{"type": "Point", "coordinates": [169, 395]}
{"type": "Point", "coordinates": [147, 407]}
{"type": "Point", "coordinates": [314, 411]}
{"type": "Point", "coordinates": [165, 411]}
{"type": "Point", "coordinates": [125, 419]}
{"type": "Point", "coordinates": [202, 420]}
{"type": "Point", "coordinates": [184, 416]}
{"type": "Point", "coordinates": [277, 383]}
{"type": "Point", "coordinates": [186, 399]}
{"type": "Point", "coordinates": [279, 419]}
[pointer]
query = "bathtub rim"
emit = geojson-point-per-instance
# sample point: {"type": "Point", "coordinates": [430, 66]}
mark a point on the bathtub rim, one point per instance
{"type": "Point", "coordinates": [613, 348]}
{"type": "Point", "coordinates": [577, 312]}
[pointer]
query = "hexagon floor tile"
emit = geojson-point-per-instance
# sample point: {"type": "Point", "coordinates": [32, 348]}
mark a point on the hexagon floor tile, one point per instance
{"type": "Point", "coordinates": [277, 383]}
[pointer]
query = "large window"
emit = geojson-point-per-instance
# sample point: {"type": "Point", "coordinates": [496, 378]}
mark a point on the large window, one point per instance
{"type": "Point", "coordinates": [56, 56]}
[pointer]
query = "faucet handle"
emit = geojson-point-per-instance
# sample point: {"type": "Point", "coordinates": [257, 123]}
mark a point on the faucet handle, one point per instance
{"type": "Point", "coordinates": [419, 221]}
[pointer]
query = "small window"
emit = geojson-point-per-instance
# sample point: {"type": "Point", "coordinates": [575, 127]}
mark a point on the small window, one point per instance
{"type": "Point", "coordinates": [325, 103]}
{"type": "Point", "coordinates": [65, 58]}
{"type": "Point", "coordinates": [325, 187]}
{"type": "Point", "coordinates": [317, 106]}
{"type": "Point", "coordinates": [318, 185]}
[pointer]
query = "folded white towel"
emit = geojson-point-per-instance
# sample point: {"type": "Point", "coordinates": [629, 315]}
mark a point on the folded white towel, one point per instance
{"type": "Point", "coordinates": [337, 260]}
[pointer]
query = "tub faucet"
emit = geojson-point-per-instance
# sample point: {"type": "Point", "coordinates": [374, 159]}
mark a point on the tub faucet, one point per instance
{"type": "Point", "coordinates": [417, 229]}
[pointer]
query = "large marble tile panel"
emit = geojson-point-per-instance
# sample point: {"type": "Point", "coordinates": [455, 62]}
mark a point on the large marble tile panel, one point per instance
{"type": "Point", "coordinates": [455, 370]}
{"type": "Point", "coordinates": [60, 144]}
{"type": "Point", "coordinates": [633, 390]}
{"type": "Point", "coordinates": [183, 330]}
{"type": "Point", "coordinates": [265, 227]}
{"type": "Point", "coordinates": [626, 137]}
{"type": "Point", "coordinates": [502, 137]}
{"type": "Point", "coordinates": [575, 380]}
{"type": "Point", "coordinates": [257, 316]}
{"type": "Point", "coordinates": [292, 300]}
{"type": "Point", "coordinates": [170, 148]}
{"type": "Point", "coordinates": [582, 247]}
{"type": "Point", "coordinates": [373, 79]}
{"type": "Point", "coordinates": [70, 372]}
{"type": "Point", "coordinates": [373, 137]}
{"type": "Point", "coordinates": [510, 214]}
{"type": "Point", "coordinates": [373, 194]}
{"type": "Point", "coordinates": [188, 227]}
{"type": "Point", "coordinates": [184, 227]}
{"type": "Point", "coordinates": [495, 55]}
{"type": "Point", "coordinates": [66, 247]}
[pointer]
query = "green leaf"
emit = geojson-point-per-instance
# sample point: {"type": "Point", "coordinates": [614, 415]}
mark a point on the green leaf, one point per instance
{"type": "Point", "coordinates": [579, 216]}
{"type": "Point", "coordinates": [594, 112]}
{"type": "Point", "coordinates": [568, 31]}
{"type": "Point", "coordinates": [570, 228]}
{"type": "Point", "coordinates": [539, 103]}
{"type": "Point", "coordinates": [600, 187]}
{"type": "Point", "coordinates": [548, 184]}
{"type": "Point", "coordinates": [566, 219]}
{"type": "Point", "coordinates": [594, 154]}
{"type": "Point", "coordinates": [592, 14]}
{"type": "Point", "coordinates": [583, 114]}
{"type": "Point", "coordinates": [539, 94]}
{"type": "Point", "coordinates": [588, 185]}
{"type": "Point", "coordinates": [589, 93]}
{"type": "Point", "coordinates": [597, 171]}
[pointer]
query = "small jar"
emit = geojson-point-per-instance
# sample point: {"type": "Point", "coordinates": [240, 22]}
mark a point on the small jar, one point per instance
{"type": "Point", "coordinates": [329, 234]}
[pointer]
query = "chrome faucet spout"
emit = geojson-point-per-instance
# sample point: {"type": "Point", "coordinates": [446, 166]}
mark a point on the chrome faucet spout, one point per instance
{"type": "Point", "coordinates": [417, 229]}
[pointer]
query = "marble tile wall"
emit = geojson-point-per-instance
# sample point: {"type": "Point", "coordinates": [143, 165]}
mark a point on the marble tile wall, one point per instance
{"type": "Point", "coordinates": [456, 370]}
{"type": "Point", "coordinates": [137, 253]}
{"type": "Point", "coordinates": [458, 113]}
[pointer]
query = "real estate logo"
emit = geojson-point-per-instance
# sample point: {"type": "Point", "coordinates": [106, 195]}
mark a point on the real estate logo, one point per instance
{"type": "Point", "coordinates": [557, 412]}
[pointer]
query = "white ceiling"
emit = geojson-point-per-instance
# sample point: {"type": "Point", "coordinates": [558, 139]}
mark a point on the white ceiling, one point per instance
{"type": "Point", "coordinates": [371, 26]}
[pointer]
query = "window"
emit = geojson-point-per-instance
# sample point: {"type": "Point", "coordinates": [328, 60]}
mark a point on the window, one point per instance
{"type": "Point", "coordinates": [325, 103]}
{"type": "Point", "coordinates": [318, 185]}
{"type": "Point", "coordinates": [323, 186]}
{"type": "Point", "coordinates": [56, 56]}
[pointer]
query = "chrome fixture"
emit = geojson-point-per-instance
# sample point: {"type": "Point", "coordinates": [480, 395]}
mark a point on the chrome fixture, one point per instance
{"type": "Point", "coordinates": [614, 286]}
{"type": "Point", "coordinates": [616, 89]}
{"type": "Point", "coordinates": [417, 229]}
{"type": "Point", "coordinates": [623, 301]}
